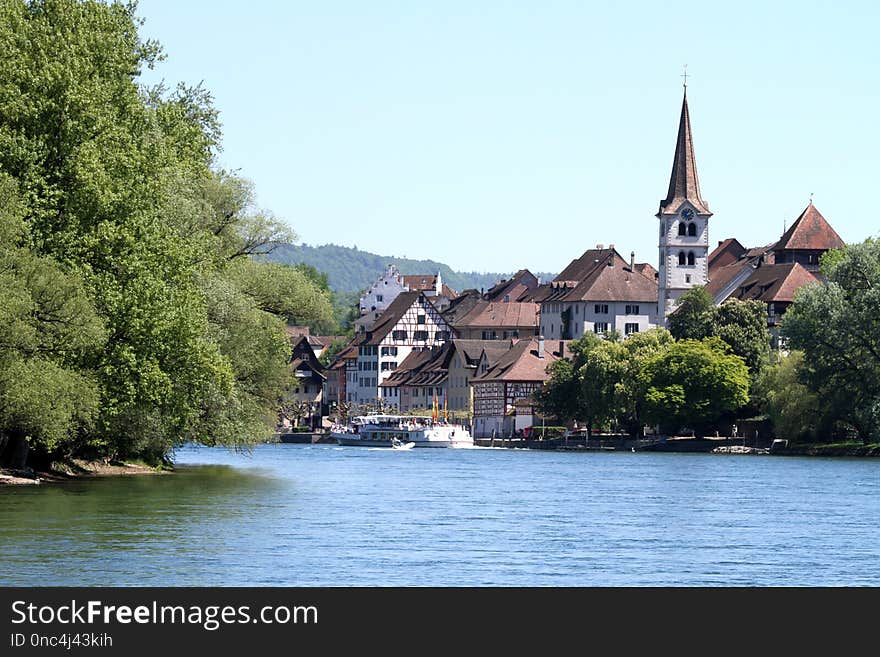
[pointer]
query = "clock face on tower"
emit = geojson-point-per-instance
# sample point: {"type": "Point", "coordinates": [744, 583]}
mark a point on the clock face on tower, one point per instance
{"type": "Point", "coordinates": [687, 213]}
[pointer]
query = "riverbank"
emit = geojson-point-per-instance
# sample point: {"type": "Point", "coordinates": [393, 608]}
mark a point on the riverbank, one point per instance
{"type": "Point", "coordinates": [684, 445]}
{"type": "Point", "coordinates": [75, 469]}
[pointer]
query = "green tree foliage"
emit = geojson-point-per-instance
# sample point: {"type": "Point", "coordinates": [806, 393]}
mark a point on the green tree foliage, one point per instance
{"type": "Point", "coordinates": [128, 221]}
{"type": "Point", "coordinates": [837, 326]}
{"type": "Point", "coordinates": [692, 318]}
{"type": "Point", "coordinates": [604, 381]}
{"type": "Point", "coordinates": [793, 408]}
{"type": "Point", "coordinates": [49, 331]}
{"type": "Point", "coordinates": [693, 383]}
{"type": "Point", "coordinates": [742, 325]}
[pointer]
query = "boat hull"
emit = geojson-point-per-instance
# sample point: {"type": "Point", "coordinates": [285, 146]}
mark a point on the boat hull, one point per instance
{"type": "Point", "coordinates": [352, 440]}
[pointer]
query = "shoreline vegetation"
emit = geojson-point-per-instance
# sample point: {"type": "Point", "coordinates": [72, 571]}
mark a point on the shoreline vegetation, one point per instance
{"type": "Point", "coordinates": [78, 469]}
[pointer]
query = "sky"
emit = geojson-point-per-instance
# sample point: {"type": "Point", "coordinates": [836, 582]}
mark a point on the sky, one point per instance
{"type": "Point", "coordinates": [493, 136]}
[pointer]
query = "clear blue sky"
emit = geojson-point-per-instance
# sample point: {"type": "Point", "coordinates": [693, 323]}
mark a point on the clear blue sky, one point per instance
{"type": "Point", "coordinates": [499, 135]}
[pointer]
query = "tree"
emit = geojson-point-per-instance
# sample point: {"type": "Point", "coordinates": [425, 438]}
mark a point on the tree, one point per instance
{"type": "Point", "coordinates": [559, 397]}
{"type": "Point", "coordinates": [837, 326]}
{"type": "Point", "coordinates": [693, 383]}
{"type": "Point", "coordinates": [794, 409]}
{"type": "Point", "coordinates": [693, 315]}
{"type": "Point", "coordinates": [129, 224]}
{"type": "Point", "coordinates": [639, 349]}
{"type": "Point", "coordinates": [743, 326]}
{"type": "Point", "coordinates": [48, 332]}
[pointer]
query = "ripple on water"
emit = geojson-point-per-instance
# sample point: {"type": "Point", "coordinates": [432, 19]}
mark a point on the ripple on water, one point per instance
{"type": "Point", "coordinates": [311, 515]}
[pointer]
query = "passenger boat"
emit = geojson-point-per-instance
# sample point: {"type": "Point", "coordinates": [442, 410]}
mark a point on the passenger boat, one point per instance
{"type": "Point", "coordinates": [386, 430]}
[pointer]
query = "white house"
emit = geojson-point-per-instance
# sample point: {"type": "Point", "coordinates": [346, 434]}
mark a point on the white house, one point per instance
{"type": "Point", "coordinates": [411, 322]}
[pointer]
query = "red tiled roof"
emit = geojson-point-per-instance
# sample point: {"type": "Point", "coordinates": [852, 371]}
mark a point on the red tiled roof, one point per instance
{"type": "Point", "coordinates": [810, 231]}
{"type": "Point", "coordinates": [614, 282]}
{"type": "Point", "coordinates": [417, 282]}
{"type": "Point", "coordinates": [448, 292]}
{"type": "Point", "coordinates": [727, 252]}
{"type": "Point", "coordinates": [521, 362]}
{"type": "Point", "coordinates": [722, 276]}
{"type": "Point", "coordinates": [775, 283]}
{"type": "Point", "coordinates": [647, 270]}
{"type": "Point", "coordinates": [500, 314]}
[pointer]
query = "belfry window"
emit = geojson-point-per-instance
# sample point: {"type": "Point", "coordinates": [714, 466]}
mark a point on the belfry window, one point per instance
{"type": "Point", "coordinates": [690, 257]}
{"type": "Point", "coordinates": [681, 258]}
{"type": "Point", "coordinates": [692, 230]}
{"type": "Point", "coordinates": [682, 228]}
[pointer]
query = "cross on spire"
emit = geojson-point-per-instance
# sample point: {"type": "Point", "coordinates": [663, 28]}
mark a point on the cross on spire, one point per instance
{"type": "Point", "coordinates": [685, 76]}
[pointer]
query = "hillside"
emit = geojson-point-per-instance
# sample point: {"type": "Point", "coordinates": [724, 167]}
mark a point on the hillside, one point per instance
{"type": "Point", "coordinates": [351, 270]}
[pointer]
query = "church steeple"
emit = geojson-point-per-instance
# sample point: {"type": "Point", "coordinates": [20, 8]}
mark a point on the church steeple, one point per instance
{"type": "Point", "coordinates": [684, 225]}
{"type": "Point", "coordinates": [684, 185]}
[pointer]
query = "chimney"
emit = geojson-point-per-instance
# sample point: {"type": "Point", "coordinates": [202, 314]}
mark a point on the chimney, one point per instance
{"type": "Point", "coordinates": [540, 346]}
{"type": "Point", "coordinates": [600, 246]}
{"type": "Point", "coordinates": [632, 260]}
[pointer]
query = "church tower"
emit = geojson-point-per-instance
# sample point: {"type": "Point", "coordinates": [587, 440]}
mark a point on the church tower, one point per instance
{"type": "Point", "coordinates": [684, 225]}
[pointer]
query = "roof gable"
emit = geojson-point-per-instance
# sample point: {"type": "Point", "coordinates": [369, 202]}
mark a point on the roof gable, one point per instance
{"type": "Point", "coordinates": [810, 231]}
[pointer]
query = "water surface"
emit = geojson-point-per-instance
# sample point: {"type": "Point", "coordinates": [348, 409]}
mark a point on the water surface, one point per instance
{"type": "Point", "coordinates": [306, 515]}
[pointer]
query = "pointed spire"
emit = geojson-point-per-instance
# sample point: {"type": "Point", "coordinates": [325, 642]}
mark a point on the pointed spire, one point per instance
{"type": "Point", "coordinates": [684, 185]}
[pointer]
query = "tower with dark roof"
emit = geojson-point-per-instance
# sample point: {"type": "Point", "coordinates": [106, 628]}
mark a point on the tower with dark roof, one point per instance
{"type": "Point", "coordinates": [684, 224]}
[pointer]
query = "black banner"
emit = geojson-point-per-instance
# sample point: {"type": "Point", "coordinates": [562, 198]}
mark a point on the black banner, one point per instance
{"type": "Point", "coordinates": [165, 620]}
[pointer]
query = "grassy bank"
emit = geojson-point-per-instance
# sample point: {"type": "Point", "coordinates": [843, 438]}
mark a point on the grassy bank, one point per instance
{"type": "Point", "coordinates": [831, 449]}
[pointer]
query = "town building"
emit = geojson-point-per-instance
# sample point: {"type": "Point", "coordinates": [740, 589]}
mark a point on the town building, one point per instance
{"type": "Point", "coordinates": [444, 373]}
{"type": "Point", "coordinates": [498, 320]}
{"type": "Point", "coordinates": [597, 293]}
{"type": "Point", "coordinates": [390, 284]}
{"type": "Point", "coordinates": [773, 273]}
{"type": "Point", "coordinates": [410, 323]}
{"type": "Point", "coordinates": [513, 379]}
{"type": "Point", "coordinates": [307, 381]}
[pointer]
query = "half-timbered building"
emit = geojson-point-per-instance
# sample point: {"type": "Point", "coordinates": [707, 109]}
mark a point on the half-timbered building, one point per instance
{"type": "Point", "coordinates": [410, 323]}
{"type": "Point", "coordinates": [516, 376]}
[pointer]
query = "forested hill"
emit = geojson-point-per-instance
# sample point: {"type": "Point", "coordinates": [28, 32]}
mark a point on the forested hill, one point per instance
{"type": "Point", "coordinates": [351, 270]}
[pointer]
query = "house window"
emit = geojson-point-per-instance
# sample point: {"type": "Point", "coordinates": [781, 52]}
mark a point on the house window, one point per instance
{"type": "Point", "coordinates": [687, 278]}
{"type": "Point", "coordinates": [682, 258]}
{"type": "Point", "coordinates": [389, 351]}
{"type": "Point", "coordinates": [421, 319]}
{"type": "Point", "coordinates": [601, 308]}
{"type": "Point", "coordinates": [690, 258]}
{"type": "Point", "coordinates": [441, 336]}
{"type": "Point", "coordinates": [506, 298]}
{"type": "Point", "coordinates": [399, 335]}
{"type": "Point", "coordinates": [379, 298]}
{"type": "Point", "coordinates": [600, 327]}
{"type": "Point", "coordinates": [390, 365]}
{"type": "Point", "coordinates": [692, 230]}
{"type": "Point", "coordinates": [420, 336]}
{"type": "Point", "coordinates": [632, 310]}
{"type": "Point", "coordinates": [629, 329]}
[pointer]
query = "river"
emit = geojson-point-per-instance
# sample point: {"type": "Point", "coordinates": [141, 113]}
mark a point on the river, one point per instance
{"type": "Point", "coordinates": [321, 515]}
